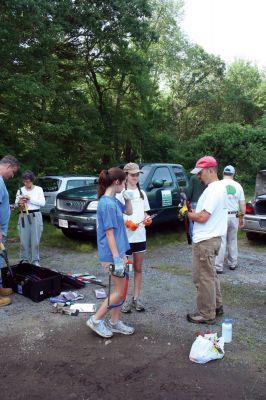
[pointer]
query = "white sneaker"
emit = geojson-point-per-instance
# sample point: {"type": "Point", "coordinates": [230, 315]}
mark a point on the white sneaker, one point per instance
{"type": "Point", "coordinates": [99, 327]}
{"type": "Point", "coordinates": [120, 327]}
{"type": "Point", "coordinates": [126, 307]}
{"type": "Point", "coordinates": [36, 263]}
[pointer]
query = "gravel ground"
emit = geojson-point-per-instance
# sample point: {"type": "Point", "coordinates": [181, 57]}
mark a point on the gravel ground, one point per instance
{"type": "Point", "coordinates": [39, 347]}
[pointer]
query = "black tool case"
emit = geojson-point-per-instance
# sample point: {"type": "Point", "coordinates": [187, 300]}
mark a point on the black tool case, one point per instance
{"type": "Point", "coordinates": [37, 283]}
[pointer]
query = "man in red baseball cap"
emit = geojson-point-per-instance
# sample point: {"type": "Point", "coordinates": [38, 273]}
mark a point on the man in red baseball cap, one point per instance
{"type": "Point", "coordinates": [210, 223]}
{"type": "Point", "coordinates": [204, 162]}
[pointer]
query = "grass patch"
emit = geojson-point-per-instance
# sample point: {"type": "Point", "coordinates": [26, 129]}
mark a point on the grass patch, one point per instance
{"type": "Point", "coordinates": [157, 236]}
{"type": "Point", "coordinates": [239, 295]}
{"type": "Point", "coordinates": [173, 269]}
{"type": "Point", "coordinates": [164, 234]}
{"type": "Point", "coordinates": [51, 237]}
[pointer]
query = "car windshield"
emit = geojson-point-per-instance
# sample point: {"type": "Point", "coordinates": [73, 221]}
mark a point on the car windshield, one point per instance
{"type": "Point", "coordinates": [74, 183]}
{"type": "Point", "coordinates": [49, 184]}
{"type": "Point", "coordinates": [145, 169]}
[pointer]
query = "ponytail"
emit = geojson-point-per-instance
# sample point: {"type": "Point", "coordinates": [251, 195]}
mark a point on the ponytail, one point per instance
{"type": "Point", "coordinates": [140, 192]}
{"type": "Point", "coordinates": [107, 177]}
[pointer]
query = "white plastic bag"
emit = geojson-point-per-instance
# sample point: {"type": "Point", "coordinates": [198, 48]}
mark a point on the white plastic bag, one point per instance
{"type": "Point", "coordinates": [207, 348]}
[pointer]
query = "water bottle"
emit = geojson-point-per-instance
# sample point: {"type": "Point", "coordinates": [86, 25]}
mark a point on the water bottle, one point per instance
{"type": "Point", "coordinates": [227, 330]}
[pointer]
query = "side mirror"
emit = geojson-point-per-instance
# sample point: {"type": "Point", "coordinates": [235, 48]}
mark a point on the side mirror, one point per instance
{"type": "Point", "coordinates": [157, 183]}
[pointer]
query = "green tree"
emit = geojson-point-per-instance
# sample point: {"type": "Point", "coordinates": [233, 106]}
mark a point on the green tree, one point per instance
{"type": "Point", "coordinates": [230, 143]}
{"type": "Point", "coordinates": [241, 93]}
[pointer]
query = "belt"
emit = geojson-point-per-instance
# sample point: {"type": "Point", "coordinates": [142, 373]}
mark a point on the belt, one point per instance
{"type": "Point", "coordinates": [232, 212]}
{"type": "Point", "coordinates": [31, 211]}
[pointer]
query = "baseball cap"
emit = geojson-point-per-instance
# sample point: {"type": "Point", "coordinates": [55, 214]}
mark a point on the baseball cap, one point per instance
{"type": "Point", "coordinates": [132, 168]}
{"type": "Point", "coordinates": [230, 170]}
{"type": "Point", "coordinates": [204, 162]}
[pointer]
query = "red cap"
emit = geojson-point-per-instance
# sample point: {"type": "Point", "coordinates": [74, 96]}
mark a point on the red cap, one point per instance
{"type": "Point", "coordinates": [204, 162]}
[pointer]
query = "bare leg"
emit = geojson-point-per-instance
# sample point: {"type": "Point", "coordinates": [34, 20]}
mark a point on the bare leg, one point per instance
{"type": "Point", "coordinates": [138, 260]}
{"type": "Point", "coordinates": [115, 297]}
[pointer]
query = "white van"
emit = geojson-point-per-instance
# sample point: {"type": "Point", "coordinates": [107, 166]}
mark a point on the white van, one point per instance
{"type": "Point", "coordinates": [54, 184]}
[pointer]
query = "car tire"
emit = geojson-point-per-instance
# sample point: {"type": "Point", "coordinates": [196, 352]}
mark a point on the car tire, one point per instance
{"type": "Point", "coordinates": [252, 236]}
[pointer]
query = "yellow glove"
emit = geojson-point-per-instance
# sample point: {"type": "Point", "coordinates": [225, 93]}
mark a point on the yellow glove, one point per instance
{"type": "Point", "coordinates": [183, 211]}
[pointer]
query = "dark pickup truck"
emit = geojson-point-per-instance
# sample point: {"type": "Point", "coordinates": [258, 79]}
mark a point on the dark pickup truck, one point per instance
{"type": "Point", "coordinates": [75, 210]}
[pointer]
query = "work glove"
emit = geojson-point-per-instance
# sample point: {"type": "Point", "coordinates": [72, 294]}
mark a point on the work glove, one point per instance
{"type": "Point", "coordinates": [131, 225]}
{"type": "Point", "coordinates": [128, 195]}
{"type": "Point", "coordinates": [183, 212]}
{"type": "Point", "coordinates": [147, 221]}
{"type": "Point", "coordinates": [119, 268]}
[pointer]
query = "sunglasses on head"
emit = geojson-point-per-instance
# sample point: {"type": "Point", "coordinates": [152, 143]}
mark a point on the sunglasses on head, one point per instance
{"type": "Point", "coordinates": [137, 174]}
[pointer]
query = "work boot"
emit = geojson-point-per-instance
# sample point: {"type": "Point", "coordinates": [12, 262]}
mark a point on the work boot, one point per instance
{"type": "Point", "coordinates": [5, 301]}
{"type": "Point", "coordinates": [219, 311]}
{"type": "Point", "coordinates": [198, 319]}
{"type": "Point", "coordinates": [5, 291]}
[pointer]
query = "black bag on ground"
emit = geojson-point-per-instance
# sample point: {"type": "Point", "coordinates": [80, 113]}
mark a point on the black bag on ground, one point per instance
{"type": "Point", "coordinates": [37, 283]}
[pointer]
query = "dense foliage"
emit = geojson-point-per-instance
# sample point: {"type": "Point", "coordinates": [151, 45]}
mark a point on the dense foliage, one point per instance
{"type": "Point", "coordinates": [88, 84]}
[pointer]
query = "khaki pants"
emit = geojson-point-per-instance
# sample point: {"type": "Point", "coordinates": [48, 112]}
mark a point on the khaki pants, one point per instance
{"type": "Point", "coordinates": [205, 277]}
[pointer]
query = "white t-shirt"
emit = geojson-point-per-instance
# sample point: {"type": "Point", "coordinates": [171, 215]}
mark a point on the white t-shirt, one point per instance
{"type": "Point", "coordinates": [235, 194]}
{"type": "Point", "coordinates": [212, 200]}
{"type": "Point", "coordinates": [139, 206]}
{"type": "Point", "coordinates": [36, 195]}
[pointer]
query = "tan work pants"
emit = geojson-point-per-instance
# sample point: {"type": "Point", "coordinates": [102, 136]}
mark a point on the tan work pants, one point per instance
{"type": "Point", "coordinates": [205, 277]}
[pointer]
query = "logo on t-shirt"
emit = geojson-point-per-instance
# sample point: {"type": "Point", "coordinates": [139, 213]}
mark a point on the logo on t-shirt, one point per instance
{"type": "Point", "coordinates": [230, 189]}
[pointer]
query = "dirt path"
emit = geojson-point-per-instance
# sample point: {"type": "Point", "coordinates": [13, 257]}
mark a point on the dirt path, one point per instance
{"type": "Point", "coordinates": [50, 356]}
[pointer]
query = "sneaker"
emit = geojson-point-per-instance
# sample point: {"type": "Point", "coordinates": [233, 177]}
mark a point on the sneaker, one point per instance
{"type": "Point", "coordinates": [36, 263]}
{"type": "Point", "coordinates": [138, 305]}
{"type": "Point", "coordinates": [233, 267]}
{"type": "Point", "coordinates": [120, 327]}
{"type": "Point", "coordinates": [126, 307]}
{"type": "Point", "coordinates": [5, 301]}
{"type": "Point", "coordinates": [219, 271]}
{"type": "Point", "coordinates": [198, 319]}
{"type": "Point", "coordinates": [99, 327]}
{"type": "Point", "coordinates": [219, 311]}
{"type": "Point", "coordinates": [5, 291]}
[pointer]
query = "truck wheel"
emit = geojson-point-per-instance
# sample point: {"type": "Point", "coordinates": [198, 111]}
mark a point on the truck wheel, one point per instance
{"type": "Point", "coordinates": [252, 236]}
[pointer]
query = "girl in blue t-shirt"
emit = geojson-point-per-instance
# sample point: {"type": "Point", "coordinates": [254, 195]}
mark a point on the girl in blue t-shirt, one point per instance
{"type": "Point", "coordinates": [112, 246]}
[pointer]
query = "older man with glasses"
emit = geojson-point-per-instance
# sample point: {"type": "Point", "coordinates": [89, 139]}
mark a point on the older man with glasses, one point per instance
{"type": "Point", "coordinates": [9, 165]}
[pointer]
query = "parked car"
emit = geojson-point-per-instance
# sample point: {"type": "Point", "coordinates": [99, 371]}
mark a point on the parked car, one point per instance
{"type": "Point", "coordinates": [54, 184]}
{"type": "Point", "coordinates": [75, 210]}
{"type": "Point", "coordinates": [255, 217]}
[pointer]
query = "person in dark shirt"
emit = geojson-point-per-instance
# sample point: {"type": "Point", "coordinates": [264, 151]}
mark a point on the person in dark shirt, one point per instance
{"type": "Point", "coordinates": [195, 188]}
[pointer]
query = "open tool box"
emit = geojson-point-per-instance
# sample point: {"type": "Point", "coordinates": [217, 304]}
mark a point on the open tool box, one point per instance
{"type": "Point", "coordinates": [37, 283]}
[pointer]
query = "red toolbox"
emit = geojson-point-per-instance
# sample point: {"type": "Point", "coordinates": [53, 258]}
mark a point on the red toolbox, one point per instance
{"type": "Point", "coordinates": [37, 283]}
